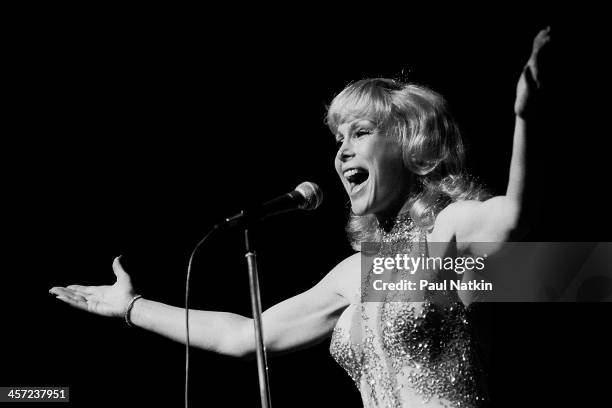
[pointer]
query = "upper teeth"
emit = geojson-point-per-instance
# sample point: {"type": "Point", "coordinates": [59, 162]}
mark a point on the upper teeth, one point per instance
{"type": "Point", "coordinates": [350, 172]}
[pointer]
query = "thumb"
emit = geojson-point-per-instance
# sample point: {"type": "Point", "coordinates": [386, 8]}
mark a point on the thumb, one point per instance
{"type": "Point", "coordinates": [120, 273]}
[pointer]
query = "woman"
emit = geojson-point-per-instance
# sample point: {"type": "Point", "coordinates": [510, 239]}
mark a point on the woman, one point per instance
{"type": "Point", "coordinates": [400, 160]}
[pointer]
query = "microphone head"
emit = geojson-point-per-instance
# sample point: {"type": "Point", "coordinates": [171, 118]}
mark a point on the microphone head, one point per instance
{"type": "Point", "coordinates": [313, 196]}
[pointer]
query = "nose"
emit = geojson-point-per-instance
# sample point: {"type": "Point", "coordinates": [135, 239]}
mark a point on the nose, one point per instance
{"type": "Point", "coordinates": [345, 151]}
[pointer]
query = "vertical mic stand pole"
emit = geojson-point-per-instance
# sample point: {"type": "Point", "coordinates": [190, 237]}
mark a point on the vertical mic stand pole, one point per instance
{"type": "Point", "coordinates": [262, 362]}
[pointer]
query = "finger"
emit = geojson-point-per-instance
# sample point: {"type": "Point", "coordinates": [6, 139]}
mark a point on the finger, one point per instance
{"type": "Point", "coordinates": [120, 273]}
{"type": "Point", "coordinates": [544, 32]}
{"type": "Point", "coordinates": [57, 290]}
{"type": "Point", "coordinates": [71, 294]}
{"type": "Point", "coordinates": [87, 290]}
{"type": "Point", "coordinates": [72, 302]}
{"type": "Point", "coordinates": [540, 40]}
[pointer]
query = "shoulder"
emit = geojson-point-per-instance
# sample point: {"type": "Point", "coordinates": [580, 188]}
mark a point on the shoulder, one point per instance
{"type": "Point", "coordinates": [472, 220]}
{"type": "Point", "coordinates": [449, 220]}
{"type": "Point", "coordinates": [457, 210]}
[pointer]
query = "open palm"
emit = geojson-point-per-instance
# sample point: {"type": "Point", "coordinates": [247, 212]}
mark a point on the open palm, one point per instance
{"type": "Point", "coordinates": [107, 300]}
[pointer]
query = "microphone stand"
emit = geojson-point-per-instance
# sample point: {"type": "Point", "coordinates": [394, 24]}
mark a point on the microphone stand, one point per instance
{"type": "Point", "coordinates": [262, 362]}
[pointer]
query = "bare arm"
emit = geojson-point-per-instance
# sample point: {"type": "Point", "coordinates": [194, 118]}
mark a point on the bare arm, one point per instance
{"type": "Point", "coordinates": [528, 87]}
{"type": "Point", "coordinates": [295, 323]}
{"type": "Point", "coordinates": [496, 219]}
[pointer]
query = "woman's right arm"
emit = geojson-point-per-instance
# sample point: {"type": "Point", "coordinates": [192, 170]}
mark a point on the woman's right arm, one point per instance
{"type": "Point", "coordinates": [295, 323]}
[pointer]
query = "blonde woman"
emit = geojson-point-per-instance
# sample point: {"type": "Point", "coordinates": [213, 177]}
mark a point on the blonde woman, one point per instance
{"type": "Point", "coordinates": [400, 159]}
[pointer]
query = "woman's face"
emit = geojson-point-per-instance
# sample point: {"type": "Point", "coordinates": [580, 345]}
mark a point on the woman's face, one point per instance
{"type": "Point", "coordinates": [371, 168]}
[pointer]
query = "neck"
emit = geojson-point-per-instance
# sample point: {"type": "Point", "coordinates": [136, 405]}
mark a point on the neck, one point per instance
{"type": "Point", "coordinates": [388, 218]}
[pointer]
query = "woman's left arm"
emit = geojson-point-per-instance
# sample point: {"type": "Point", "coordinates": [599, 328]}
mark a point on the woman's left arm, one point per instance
{"type": "Point", "coordinates": [525, 107]}
{"type": "Point", "coordinates": [496, 219]}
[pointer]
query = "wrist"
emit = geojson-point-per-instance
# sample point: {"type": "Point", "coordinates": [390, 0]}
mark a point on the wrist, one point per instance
{"type": "Point", "coordinates": [520, 118]}
{"type": "Point", "coordinates": [127, 314]}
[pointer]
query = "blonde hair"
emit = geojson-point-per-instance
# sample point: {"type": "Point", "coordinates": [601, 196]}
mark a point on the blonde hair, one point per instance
{"type": "Point", "coordinates": [432, 148]}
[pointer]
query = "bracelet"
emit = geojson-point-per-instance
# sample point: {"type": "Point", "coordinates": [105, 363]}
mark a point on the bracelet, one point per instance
{"type": "Point", "coordinates": [128, 310]}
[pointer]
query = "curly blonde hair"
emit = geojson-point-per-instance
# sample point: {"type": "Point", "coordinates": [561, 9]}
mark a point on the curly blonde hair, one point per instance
{"type": "Point", "coordinates": [432, 147]}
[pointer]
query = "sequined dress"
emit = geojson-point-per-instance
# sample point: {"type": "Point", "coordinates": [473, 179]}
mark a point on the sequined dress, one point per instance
{"type": "Point", "coordinates": [406, 353]}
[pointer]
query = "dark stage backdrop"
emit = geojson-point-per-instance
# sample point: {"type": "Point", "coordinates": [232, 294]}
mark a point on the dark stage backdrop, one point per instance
{"type": "Point", "coordinates": [139, 134]}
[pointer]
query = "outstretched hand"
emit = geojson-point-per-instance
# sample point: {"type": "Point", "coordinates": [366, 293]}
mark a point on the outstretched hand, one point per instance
{"type": "Point", "coordinates": [103, 300]}
{"type": "Point", "coordinates": [530, 82]}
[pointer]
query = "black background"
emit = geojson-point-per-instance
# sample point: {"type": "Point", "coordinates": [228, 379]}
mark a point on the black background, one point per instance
{"type": "Point", "coordinates": [136, 131]}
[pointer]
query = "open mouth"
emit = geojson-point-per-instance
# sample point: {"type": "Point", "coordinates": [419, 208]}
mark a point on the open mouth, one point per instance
{"type": "Point", "coordinates": [356, 177]}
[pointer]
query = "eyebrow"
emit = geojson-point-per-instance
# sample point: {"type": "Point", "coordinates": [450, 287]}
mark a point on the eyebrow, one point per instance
{"type": "Point", "coordinates": [353, 125]}
{"type": "Point", "coordinates": [363, 122]}
{"type": "Point", "coordinates": [357, 123]}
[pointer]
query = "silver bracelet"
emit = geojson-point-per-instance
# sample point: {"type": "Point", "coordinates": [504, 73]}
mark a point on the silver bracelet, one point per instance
{"type": "Point", "coordinates": [128, 310]}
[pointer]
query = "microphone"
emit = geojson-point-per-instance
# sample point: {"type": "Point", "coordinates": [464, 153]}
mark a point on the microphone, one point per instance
{"type": "Point", "coordinates": [306, 196]}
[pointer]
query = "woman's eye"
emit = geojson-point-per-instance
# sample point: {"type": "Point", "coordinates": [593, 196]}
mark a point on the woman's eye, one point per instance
{"type": "Point", "coordinates": [339, 142]}
{"type": "Point", "coordinates": [362, 132]}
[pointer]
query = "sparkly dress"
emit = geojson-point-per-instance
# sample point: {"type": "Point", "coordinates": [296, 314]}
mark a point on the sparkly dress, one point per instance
{"type": "Point", "coordinates": [401, 352]}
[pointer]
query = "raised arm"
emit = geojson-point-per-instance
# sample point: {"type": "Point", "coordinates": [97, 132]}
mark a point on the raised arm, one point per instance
{"type": "Point", "coordinates": [528, 87]}
{"type": "Point", "coordinates": [296, 323]}
{"type": "Point", "coordinates": [496, 219]}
